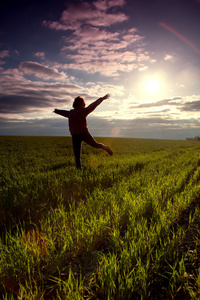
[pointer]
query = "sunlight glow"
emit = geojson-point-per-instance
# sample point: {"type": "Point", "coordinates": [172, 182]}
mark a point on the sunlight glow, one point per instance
{"type": "Point", "coordinates": [152, 85]}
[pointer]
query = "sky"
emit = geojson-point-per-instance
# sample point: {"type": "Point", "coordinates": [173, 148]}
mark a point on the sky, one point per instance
{"type": "Point", "coordinates": [144, 53]}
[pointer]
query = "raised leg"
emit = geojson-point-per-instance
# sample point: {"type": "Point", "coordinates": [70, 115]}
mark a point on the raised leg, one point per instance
{"type": "Point", "coordinates": [87, 138]}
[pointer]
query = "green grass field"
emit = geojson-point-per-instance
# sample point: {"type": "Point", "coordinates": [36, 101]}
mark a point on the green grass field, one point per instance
{"type": "Point", "coordinates": [125, 227]}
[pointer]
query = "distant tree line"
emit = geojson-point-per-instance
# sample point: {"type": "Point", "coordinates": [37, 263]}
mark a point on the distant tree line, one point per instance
{"type": "Point", "coordinates": [196, 138]}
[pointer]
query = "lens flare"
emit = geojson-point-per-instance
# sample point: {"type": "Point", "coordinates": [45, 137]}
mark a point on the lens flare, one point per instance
{"type": "Point", "coordinates": [180, 36]}
{"type": "Point", "coordinates": [115, 131]}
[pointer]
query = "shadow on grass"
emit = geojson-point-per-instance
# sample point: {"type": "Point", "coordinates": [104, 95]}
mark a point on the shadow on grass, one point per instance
{"type": "Point", "coordinates": [59, 166]}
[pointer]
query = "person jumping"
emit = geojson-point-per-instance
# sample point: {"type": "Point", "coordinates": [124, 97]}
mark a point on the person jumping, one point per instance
{"type": "Point", "coordinates": [78, 126]}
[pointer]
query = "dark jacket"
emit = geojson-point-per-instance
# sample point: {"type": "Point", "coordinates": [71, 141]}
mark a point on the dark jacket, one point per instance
{"type": "Point", "coordinates": [77, 116]}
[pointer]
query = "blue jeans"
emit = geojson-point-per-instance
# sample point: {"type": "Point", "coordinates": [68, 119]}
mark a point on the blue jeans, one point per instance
{"type": "Point", "coordinates": [77, 140]}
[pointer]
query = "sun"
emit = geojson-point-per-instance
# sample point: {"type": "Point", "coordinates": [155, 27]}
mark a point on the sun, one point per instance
{"type": "Point", "coordinates": [152, 85]}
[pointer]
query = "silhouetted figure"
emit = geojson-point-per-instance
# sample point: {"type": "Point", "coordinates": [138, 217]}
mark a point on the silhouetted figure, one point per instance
{"type": "Point", "coordinates": [78, 126]}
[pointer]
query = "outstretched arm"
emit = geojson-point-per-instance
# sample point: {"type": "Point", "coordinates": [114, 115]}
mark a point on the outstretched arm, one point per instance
{"type": "Point", "coordinates": [93, 105]}
{"type": "Point", "coordinates": [64, 113]}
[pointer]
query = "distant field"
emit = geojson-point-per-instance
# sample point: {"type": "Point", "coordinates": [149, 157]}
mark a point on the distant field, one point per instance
{"type": "Point", "coordinates": [125, 227]}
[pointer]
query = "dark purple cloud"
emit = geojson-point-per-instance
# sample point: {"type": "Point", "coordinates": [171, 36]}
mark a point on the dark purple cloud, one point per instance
{"type": "Point", "coordinates": [19, 95]}
{"type": "Point", "coordinates": [22, 104]}
{"type": "Point", "coordinates": [191, 106]}
{"type": "Point", "coordinates": [34, 126]}
{"type": "Point", "coordinates": [80, 13]}
{"type": "Point", "coordinates": [163, 102]}
{"type": "Point", "coordinates": [41, 71]}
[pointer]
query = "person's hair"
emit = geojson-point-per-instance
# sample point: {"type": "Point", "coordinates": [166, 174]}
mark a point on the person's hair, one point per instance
{"type": "Point", "coordinates": [78, 101]}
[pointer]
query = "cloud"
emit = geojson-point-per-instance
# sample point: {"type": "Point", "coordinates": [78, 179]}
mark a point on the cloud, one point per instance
{"type": "Point", "coordinates": [21, 96]}
{"type": "Point", "coordinates": [136, 128]}
{"type": "Point", "coordinates": [4, 53]}
{"type": "Point", "coordinates": [40, 55]}
{"type": "Point", "coordinates": [176, 101]}
{"type": "Point", "coordinates": [191, 106]}
{"type": "Point", "coordinates": [92, 46]}
{"type": "Point", "coordinates": [157, 127]}
{"type": "Point", "coordinates": [169, 57]}
{"type": "Point", "coordinates": [34, 126]}
{"type": "Point", "coordinates": [105, 4]}
{"type": "Point", "coordinates": [172, 111]}
{"type": "Point", "coordinates": [97, 50]}
{"type": "Point", "coordinates": [7, 54]}
{"type": "Point", "coordinates": [81, 13]}
{"type": "Point", "coordinates": [21, 104]}
{"type": "Point", "coordinates": [25, 106]}
{"type": "Point", "coordinates": [41, 71]}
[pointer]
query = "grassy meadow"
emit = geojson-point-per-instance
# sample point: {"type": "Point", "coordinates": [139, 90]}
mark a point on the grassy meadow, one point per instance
{"type": "Point", "coordinates": [125, 227]}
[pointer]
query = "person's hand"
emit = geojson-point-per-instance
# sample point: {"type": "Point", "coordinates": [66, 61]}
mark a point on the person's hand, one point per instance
{"type": "Point", "coordinates": [106, 96]}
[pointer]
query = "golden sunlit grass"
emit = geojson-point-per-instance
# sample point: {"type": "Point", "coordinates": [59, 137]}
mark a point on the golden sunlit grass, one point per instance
{"type": "Point", "coordinates": [107, 232]}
